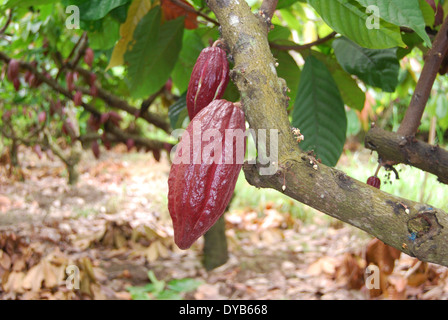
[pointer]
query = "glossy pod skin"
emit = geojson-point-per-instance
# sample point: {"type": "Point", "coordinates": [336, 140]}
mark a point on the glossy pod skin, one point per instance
{"type": "Point", "coordinates": [199, 191]}
{"type": "Point", "coordinates": [208, 80]}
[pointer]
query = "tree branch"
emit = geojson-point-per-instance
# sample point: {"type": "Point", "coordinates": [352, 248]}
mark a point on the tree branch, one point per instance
{"type": "Point", "coordinates": [408, 150]}
{"type": "Point", "coordinates": [416, 229]}
{"type": "Point", "coordinates": [433, 61]}
{"type": "Point", "coordinates": [8, 21]}
{"type": "Point", "coordinates": [115, 102]}
{"type": "Point", "coordinates": [107, 97]}
{"type": "Point", "coordinates": [268, 8]}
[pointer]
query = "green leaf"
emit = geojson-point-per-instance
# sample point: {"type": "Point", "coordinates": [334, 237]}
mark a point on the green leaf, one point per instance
{"type": "Point", "coordinates": [27, 3]}
{"type": "Point", "coordinates": [138, 293]}
{"type": "Point", "coordinates": [96, 9]}
{"type": "Point", "coordinates": [353, 123]}
{"type": "Point", "coordinates": [403, 13]}
{"type": "Point", "coordinates": [289, 71]}
{"type": "Point", "coordinates": [191, 48]}
{"type": "Point", "coordinates": [106, 35]}
{"type": "Point", "coordinates": [427, 12]}
{"type": "Point", "coordinates": [153, 55]}
{"type": "Point", "coordinates": [351, 93]}
{"type": "Point", "coordinates": [319, 112]}
{"type": "Point", "coordinates": [285, 3]}
{"type": "Point", "coordinates": [184, 285]}
{"type": "Point", "coordinates": [279, 33]}
{"type": "Point", "coordinates": [376, 67]}
{"type": "Point", "coordinates": [168, 295]}
{"type": "Point", "coordinates": [177, 112]}
{"type": "Point", "coordinates": [345, 17]}
{"type": "Point", "coordinates": [159, 285]}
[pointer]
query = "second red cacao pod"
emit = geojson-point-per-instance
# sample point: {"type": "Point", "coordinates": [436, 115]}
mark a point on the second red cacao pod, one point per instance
{"type": "Point", "coordinates": [199, 191]}
{"type": "Point", "coordinates": [208, 80]}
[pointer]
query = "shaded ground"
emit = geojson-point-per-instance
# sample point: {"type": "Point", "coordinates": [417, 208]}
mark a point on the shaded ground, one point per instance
{"type": "Point", "coordinates": [114, 227]}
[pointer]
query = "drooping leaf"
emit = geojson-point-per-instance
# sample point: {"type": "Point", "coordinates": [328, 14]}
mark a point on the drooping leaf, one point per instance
{"type": "Point", "coordinates": [137, 10]}
{"type": "Point", "coordinates": [319, 112]}
{"type": "Point", "coordinates": [345, 17]}
{"type": "Point", "coordinates": [376, 67]}
{"type": "Point", "coordinates": [153, 55]}
{"type": "Point", "coordinates": [404, 13]}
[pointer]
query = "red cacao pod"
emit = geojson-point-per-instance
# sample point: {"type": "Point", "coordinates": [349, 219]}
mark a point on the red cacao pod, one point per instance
{"type": "Point", "coordinates": [16, 83]}
{"type": "Point", "coordinates": [374, 181]}
{"type": "Point", "coordinates": [70, 81]}
{"type": "Point", "coordinates": [96, 149]}
{"type": "Point", "coordinates": [88, 57]}
{"type": "Point", "coordinates": [208, 80]}
{"type": "Point", "coordinates": [77, 98]}
{"type": "Point", "coordinates": [13, 69]}
{"type": "Point", "coordinates": [200, 188]}
{"type": "Point", "coordinates": [42, 116]}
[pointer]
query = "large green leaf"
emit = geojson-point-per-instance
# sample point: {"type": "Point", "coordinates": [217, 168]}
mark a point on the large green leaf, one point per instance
{"type": "Point", "coordinates": [153, 55]}
{"type": "Point", "coordinates": [376, 67]}
{"type": "Point", "coordinates": [191, 48]}
{"type": "Point", "coordinates": [345, 17]}
{"type": "Point", "coordinates": [319, 112]}
{"type": "Point", "coordinates": [352, 95]}
{"type": "Point", "coordinates": [404, 13]}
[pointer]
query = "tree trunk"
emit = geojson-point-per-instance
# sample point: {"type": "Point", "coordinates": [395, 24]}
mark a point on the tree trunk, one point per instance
{"type": "Point", "coordinates": [215, 245]}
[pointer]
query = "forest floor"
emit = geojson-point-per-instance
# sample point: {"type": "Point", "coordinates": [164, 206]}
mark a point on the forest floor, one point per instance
{"type": "Point", "coordinates": [114, 227]}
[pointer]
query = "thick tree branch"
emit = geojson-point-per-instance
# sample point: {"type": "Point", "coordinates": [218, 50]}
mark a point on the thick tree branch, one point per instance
{"type": "Point", "coordinates": [416, 229]}
{"type": "Point", "coordinates": [408, 150]}
{"type": "Point", "coordinates": [433, 61]}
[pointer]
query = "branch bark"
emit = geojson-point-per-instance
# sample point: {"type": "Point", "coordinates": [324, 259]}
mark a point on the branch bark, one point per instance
{"type": "Point", "coordinates": [433, 61]}
{"type": "Point", "coordinates": [417, 229]}
{"type": "Point", "coordinates": [408, 150]}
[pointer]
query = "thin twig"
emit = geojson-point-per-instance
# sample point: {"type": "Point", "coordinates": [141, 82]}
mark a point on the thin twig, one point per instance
{"type": "Point", "coordinates": [193, 10]}
{"type": "Point", "coordinates": [3, 29]}
{"type": "Point", "coordinates": [301, 47]}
